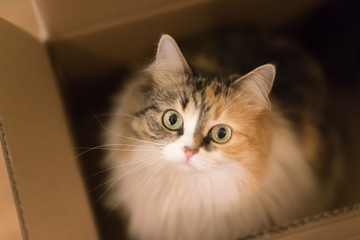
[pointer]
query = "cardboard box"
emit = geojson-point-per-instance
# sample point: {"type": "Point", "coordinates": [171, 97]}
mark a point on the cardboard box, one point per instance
{"type": "Point", "coordinates": [75, 43]}
{"type": "Point", "coordinates": [49, 191]}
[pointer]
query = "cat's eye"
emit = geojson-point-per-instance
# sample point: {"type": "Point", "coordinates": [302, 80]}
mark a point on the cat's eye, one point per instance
{"type": "Point", "coordinates": [220, 133]}
{"type": "Point", "coordinates": [172, 120]}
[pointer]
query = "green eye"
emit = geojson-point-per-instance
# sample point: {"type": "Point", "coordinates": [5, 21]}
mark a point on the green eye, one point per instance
{"type": "Point", "coordinates": [220, 133]}
{"type": "Point", "coordinates": [172, 120]}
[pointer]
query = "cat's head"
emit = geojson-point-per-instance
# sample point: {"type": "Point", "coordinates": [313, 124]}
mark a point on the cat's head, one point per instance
{"type": "Point", "coordinates": [204, 121]}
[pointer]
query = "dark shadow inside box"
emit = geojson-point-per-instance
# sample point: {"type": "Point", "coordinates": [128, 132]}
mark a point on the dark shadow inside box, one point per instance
{"type": "Point", "coordinates": [331, 33]}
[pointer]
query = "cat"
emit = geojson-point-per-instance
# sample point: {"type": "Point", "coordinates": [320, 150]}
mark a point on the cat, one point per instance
{"type": "Point", "coordinates": [195, 154]}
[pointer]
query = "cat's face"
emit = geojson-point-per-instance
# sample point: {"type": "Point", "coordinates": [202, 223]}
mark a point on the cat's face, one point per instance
{"type": "Point", "coordinates": [202, 121]}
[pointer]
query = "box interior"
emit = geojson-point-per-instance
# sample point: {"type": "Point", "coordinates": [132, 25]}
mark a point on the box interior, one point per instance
{"type": "Point", "coordinates": [21, 14]}
{"type": "Point", "coordinates": [37, 145]}
{"type": "Point", "coordinates": [90, 65]}
{"type": "Point", "coordinates": [100, 48]}
{"type": "Point", "coordinates": [92, 54]}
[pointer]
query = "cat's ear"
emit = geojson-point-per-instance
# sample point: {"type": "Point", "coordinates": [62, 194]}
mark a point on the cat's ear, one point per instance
{"type": "Point", "coordinates": [169, 57]}
{"type": "Point", "coordinates": [256, 86]}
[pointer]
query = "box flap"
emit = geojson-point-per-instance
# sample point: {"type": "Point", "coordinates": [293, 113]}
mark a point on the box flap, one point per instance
{"type": "Point", "coordinates": [20, 13]}
{"type": "Point", "coordinates": [61, 17]}
{"type": "Point", "coordinates": [50, 194]}
{"type": "Point", "coordinates": [104, 42]}
{"type": "Point", "coordinates": [67, 18]}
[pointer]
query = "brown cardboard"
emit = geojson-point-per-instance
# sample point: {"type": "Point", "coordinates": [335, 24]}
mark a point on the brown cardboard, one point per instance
{"type": "Point", "coordinates": [339, 224]}
{"type": "Point", "coordinates": [9, 223]}
{"type": "Point", "coordinates": [67, 18]}
{"type": "Point", "coordinates": [49, 192]}
{"type": "Point", "coordinates": [88, 39]}
{"type": "Point", "coordinates": [99, 47]}
{"type": "Point", "coordinates": [20, 13]}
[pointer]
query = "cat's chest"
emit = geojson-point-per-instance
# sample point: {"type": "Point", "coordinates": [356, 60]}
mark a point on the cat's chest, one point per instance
{"type": "Point", "coordinates": [169, 190]}
{"type": "Point", "coordinates": [191, 202]}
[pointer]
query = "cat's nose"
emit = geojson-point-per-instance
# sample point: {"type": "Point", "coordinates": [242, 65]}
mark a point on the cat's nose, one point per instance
{"type": "Point", "coordinates": [189, 152]}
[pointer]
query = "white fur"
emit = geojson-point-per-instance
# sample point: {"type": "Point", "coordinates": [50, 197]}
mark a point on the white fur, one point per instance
{"type": "Point", "coordinates": [174, 152]}
{"type": "Point", "coordinates": [164, 202]}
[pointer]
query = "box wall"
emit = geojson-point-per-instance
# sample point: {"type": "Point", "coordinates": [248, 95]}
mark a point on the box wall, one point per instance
{"type": "Point", "coordinates": [51, 196]}
{"type": "Point", "coordinates": [20, 13]}
{"type": "Point", "coordinates": [120, 39]}
{"type": "Point", "coordinates": [97, 49]}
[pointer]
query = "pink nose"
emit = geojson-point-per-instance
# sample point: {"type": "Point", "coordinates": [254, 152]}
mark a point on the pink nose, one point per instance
{"type": "Point", "coordinates": [189, 152]}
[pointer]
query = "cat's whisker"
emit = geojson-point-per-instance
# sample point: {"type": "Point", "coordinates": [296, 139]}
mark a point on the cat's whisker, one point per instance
{"type": "Point", "coordinates": [113, 183]}
{"type": "Point", "coordinates": [128, 149]}
{"type": "Point", "coordinates": [122, 144]}
{"type": "Point", "coordinates": [89, 149]}
{"type": "Point", "coordinates": [164, 163]}
{"type": "Point", "coordinates": [130, 138]}
{"type": "Point", "coordinates": [123, 165]}
{"type": "Point", "coordinates": [115, 114]}
{"type": "Point", "coordinates": [154, 171]}
{"type": "Point", "coordinates": [103, 147]}
{"type": "Point", "coordinates": [127, 173]}
{"type": "Point", "coordinates": [142, 141]}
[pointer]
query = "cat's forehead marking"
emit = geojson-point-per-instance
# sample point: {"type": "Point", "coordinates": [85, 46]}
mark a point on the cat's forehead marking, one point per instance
{"type": "Point", "coordinates": [194, 120]}
{"type": "Point", "coordinates": [184, 101]}
{"type": "Point", "coordinates": [190, 122]}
